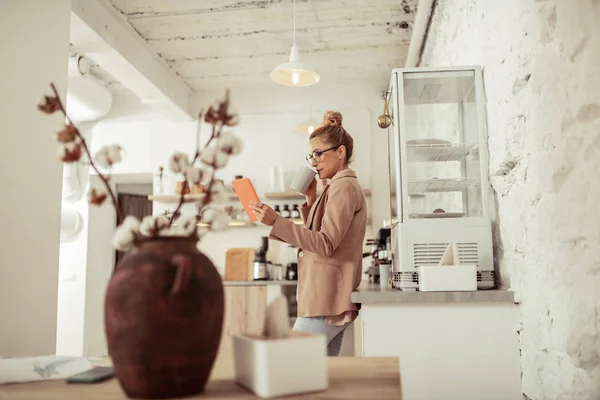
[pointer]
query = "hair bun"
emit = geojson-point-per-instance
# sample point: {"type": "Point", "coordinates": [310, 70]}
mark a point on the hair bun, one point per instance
{"type": "Point", "coordinates": [332, 118]}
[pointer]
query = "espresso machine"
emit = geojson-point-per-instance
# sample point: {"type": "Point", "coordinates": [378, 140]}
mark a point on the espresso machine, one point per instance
{"type": "Point", "coordinates": [261, 265]}
{"type": "Point", "coordinates": [291, 273]}
{"type": "Point", "coordinates": [380, 253]}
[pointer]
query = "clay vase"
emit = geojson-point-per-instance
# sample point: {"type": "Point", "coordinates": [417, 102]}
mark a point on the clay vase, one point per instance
{"type": "Point", "coordinates": [163, 319]}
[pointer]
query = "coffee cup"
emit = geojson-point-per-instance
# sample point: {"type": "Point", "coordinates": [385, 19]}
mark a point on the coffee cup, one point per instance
{"type": "Point", "coordinates": [302, 180]}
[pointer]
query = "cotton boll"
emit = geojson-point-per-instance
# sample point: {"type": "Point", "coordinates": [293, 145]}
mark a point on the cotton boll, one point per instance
{"type": "Point", "coordinates": [220, 222]}
{"type": "Point", "coordinates": [114, 153]}
{"type": "Point", "coordinates": [187, 225]}
{"type": "Point", "coordinates": [208, 155]}
{"type": "Point", "coordinates": [152, 226]}
{"type": "Point", "coordinates": [108, 155]}
{"type": "Point", "coordinates": [214, 157]}
{"type": "Point", "coordinates": [221, 159]}
{"type": "Point", "coordinates": [97, 196]}
{"type": "Point", "coordinates": [69, 152]}
{"type": "Point", "coordinates": [178, 162]}
{"type": "Point", "coordinates": [218, 194]}
{"type": "Point", "coordinates": [102, 159]}
{"type": "Point", "coordinates": [194, 175]}
{"type": "Point", "coordinates": [230, 144]}
{"type": "Point", "coordinates": [126, 233]}
{"type": "Point", "coordinates": [132, 223]}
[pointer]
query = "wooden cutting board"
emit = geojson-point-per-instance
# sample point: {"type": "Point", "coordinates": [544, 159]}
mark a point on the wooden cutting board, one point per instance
{"type": "Point", "coordinates": [239, 263]}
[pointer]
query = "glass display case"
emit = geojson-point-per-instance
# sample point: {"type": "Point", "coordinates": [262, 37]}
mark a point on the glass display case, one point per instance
{"type": "Point", "coordinates": [438, 168]}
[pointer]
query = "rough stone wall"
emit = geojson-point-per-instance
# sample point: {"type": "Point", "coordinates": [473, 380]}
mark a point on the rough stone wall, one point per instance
{"type": "Point", "coordinates": [541, 62]}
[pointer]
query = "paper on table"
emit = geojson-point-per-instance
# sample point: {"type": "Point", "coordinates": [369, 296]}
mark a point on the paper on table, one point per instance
{"type": "Point", "coordinates": [42, 368]}
{"type": "Point", "coordinates": [450, 256]}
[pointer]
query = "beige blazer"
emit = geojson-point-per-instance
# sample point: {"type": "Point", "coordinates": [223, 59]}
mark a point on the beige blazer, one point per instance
{"type": "Point", "coordinates": [330, 247]}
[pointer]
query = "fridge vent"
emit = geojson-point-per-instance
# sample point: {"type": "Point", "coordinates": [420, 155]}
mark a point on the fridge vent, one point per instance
{"type": "Point", "coordinates": [428, 253]}
{"type": "Point", "coordinates": [489, 276]}
{"type": "Point", "coordinates": [407, 278]}
{"type": "Point", "coordinates": [468, 253]}
{"type": "Point", "coordinates": [431, 253]}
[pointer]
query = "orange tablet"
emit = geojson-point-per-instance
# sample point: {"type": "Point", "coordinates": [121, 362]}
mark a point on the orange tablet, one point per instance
{"type": "Point", "coordinates": [246, 193]}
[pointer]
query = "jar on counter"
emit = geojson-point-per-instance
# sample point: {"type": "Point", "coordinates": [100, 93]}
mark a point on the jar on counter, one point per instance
{"type": "Point", "coordinates": [295, 213]}
{"type": "Point", "coordinates": [285, 213]}
{"type": "Point", "coordinates": [277, 272]}
{"type": "Point", "coordinates": [277, 210]}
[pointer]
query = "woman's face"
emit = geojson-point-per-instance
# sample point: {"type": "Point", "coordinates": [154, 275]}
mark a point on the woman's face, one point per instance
{"type": "Point", "coordinates": [327, 160]}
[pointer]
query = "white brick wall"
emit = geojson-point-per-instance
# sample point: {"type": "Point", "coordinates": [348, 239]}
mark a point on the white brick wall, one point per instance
{"type": "Point", "coordinates": [541, 64]}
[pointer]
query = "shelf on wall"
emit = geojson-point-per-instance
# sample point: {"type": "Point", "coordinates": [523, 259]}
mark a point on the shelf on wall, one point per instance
{"type": "Point", "coordinates": [296, 196]}
{"type": "Point", "coordinates": [438, 152]}
{"type": "Point", "coordinates": [248, 224]}
{"type": "Point", "coordinates": [190, 198]}
{"type": "Point", "coordinates": [187, 198]}
{"type": "Point", "coordinates": [234, 224]}
{"type": "Point", "coordinates": [439, 185]}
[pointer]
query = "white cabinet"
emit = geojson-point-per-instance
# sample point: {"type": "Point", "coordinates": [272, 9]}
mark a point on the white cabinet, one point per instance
{"type": "Point", "coordinates": [463, 351]}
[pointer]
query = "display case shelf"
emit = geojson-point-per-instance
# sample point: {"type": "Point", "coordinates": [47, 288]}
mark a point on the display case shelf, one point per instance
{"type": "Point", "coordinates": [439, 185]}
{"type": "Point", "coordinates": [439, 87]}
{"type": "Point", "coordinates": [438, 152]}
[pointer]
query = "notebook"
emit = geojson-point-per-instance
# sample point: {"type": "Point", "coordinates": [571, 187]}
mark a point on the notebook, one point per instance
{"type": "Point", "coordinates": [245, 192]}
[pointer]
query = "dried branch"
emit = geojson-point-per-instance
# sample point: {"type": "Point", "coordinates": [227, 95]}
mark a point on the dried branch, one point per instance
{"type": "Point", "coordinates": [104, 178]}
{"type": "Point", "coordinates": [218, 117]}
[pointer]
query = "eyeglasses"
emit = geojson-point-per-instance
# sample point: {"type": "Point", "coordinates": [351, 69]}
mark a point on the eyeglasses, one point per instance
{"type": "Point", "coordinates": [317, 155]}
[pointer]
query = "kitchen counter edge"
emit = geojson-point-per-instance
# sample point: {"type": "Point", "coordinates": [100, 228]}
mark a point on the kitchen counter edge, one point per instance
{"type": "Point", "coordinates": [259, 283]}
{"type": "Point", "coordinates": [372, 294]}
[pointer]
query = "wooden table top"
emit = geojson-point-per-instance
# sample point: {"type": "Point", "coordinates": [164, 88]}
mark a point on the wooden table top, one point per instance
{"type": "Point", "coordinates": [349, 378]}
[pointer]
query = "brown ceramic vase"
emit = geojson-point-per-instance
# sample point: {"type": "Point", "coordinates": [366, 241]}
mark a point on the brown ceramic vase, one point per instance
{"type": "Point", "coordinates": [163, 319]}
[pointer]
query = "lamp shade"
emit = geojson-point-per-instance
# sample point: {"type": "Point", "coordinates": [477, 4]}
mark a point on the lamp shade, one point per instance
{"type": "Point", "coordinates": [307, 127]}
{"type": "Point", "coordinates": [294, 73]}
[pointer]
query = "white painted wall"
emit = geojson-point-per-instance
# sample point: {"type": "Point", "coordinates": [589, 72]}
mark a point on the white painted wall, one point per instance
{"type": "Point", "coordinates": [541, 61]}
{"type": "Point", "coordinates": [73, 256]}
{"type": "Point", "coordinates": [71, 288]}
{"type": "Point", "coordinates": [31, 173]}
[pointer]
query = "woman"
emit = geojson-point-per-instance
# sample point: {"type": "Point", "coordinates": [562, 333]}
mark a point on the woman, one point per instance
{"type": "Point", "coordinates": [330, 242]}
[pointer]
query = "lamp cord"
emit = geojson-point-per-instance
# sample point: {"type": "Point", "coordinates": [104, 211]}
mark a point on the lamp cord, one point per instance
{"type": "Point", "coordinates": [294, 1]}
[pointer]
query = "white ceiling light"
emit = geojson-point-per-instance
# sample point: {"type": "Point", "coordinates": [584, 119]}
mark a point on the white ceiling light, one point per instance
{"type": "Point", "coordinates": [307, 126]}
{"type": "Point", "coordinates": [294, 73]}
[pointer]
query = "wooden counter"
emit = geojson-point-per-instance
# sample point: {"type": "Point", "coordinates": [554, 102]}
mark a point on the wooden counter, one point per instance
{"type": "Point", "coordinates": [349, 378]}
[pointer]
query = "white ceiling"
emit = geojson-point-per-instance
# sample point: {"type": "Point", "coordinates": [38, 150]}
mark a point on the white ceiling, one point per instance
{"type": "Point", "coordinates": [216, 43]}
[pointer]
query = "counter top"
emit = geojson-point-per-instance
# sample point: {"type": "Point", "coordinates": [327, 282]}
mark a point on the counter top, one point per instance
{"type": "Point", "coordinates": [259, 283]}
{"type": "Point", "coordinates": [349, 378]}
{"type": "Point", "coordinates": [372, 294]}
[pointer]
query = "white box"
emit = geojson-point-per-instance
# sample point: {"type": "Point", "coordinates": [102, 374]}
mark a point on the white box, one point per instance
{"type": "Point", "coordinates": [448, 278]}
{"type": "Point", "coordinates": [280, 367]}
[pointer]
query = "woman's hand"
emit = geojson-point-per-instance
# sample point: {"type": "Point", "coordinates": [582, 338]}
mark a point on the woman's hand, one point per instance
{"type": "Point", "coordinates": [311, 193]}
{"type": "Point", "coordinates": [264, 213]}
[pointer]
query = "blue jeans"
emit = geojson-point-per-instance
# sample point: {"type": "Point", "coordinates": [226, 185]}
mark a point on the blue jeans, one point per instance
{"type": "Point", "coordinates": [334, 334]}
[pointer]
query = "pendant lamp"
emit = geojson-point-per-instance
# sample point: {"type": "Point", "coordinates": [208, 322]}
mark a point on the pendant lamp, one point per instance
{"type": "Point", "coordinates": [294, 73]}
{"type": "Point", "coordinates": [307, 127]}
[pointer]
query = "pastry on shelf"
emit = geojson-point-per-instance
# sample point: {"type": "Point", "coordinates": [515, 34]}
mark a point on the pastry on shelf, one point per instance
{"type": "Point", "coordinates": [182, 187]}
{"type": "Point", "coordinates": [198, 188]}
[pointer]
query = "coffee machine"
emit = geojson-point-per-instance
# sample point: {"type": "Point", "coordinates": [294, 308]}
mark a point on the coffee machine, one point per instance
{"type": "Point", "coordinates": [380, 253]}
{"type": "Point", "coordinates": [291, 273]}
{"type": "Point", "coordinates": [261, 269]}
